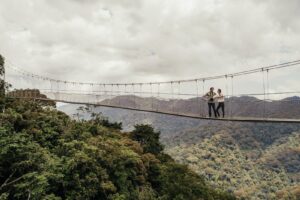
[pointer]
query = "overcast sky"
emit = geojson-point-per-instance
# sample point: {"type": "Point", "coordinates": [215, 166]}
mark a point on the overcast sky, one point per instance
{"type": "Point", "coordinates": [147, 40]}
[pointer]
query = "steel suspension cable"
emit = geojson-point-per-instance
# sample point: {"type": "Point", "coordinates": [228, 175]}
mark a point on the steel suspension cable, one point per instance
{"type": "Point", "coordinates": [141, 86]}
{"type": "Point", "coordinates": [268, 89]}
{"type": "Point", "coordinates": [178, 94]}
{"type": "Point", "coordinates": [181, 94]}
{"type": "Point", "coordinates": [264, 91]}
{"type": "Point", "coordinates": [227, 93]}
{"type": "Point", "coordinates": [119, 95]}
{"type": "Point", "coordinates": [151, 96]}
{"type": "Point", "coordinates": [256, 70]}
{"type": "Point", "coordinates": [105, 94]}
{"type": "Point", "coordinates": [172, 98]}
{"type": "Point", "coordinates": [203, 101]}
{"type": "Point", "coordinates": [198, 98]}
{"type": "Point", "coordinates": [134, 97]}
{"type": "Point", "coordinates": [232, 94]}
{"type": "Point", "coordinates": [112, 94]}
{"type": "Point", "coordinates": [158, 96]}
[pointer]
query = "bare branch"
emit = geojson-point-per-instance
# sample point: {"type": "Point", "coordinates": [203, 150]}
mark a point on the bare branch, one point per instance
{"type": "Point", "coordinates": [6, 183]}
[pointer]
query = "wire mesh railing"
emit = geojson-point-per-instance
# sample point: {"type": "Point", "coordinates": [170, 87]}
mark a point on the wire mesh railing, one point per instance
{"type": "Point", "coordinates": [181, 97]}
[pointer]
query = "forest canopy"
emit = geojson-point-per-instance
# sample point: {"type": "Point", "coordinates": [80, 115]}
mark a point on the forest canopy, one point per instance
{"type": "Point", "coordinates": [45, 154]}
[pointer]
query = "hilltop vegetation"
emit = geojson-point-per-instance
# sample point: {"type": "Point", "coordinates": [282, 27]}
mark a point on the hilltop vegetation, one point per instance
{"type": "Point", "coordinates": [255, 161]}
{"type": "Point", "coordinates": [45, 154]}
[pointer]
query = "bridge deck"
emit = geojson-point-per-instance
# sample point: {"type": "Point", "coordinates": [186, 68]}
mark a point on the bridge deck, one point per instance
{"type": "Point", "coordinates": [233, 119]}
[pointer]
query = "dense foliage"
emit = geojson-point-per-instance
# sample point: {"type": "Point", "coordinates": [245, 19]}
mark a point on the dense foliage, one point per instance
{"type": "Point", "coordinates": [44, 154]}
{"type": "Point", "coordinates": [3, 84]}
{"type": "Point", "coordinates": [254, 161]}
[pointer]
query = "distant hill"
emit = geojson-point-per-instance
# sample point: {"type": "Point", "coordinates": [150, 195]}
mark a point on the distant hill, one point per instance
{"type": "Point", "coordinates": [236, 106]}
{"type": "Point", "coordinates": [244, 106]}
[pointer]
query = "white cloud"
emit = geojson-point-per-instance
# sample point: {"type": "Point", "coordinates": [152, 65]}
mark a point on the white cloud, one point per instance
{"type": "Point", "coordinates": [140, 40]}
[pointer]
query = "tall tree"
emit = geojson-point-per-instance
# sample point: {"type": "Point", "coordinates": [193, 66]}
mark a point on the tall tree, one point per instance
{"type": "Point", "coordinates": [2, 72]}
{"type": "Point", "coordinates": [148, 138]}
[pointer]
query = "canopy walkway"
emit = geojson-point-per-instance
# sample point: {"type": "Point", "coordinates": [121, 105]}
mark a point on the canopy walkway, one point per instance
{"type": "Point", "coordinates": [182, 98]}
{"type": "Point", "coordinates": [235, 119]}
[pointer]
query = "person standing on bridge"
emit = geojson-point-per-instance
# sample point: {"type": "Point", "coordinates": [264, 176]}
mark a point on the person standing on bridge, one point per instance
{"type": "Point", "coordinates": [211, 101]}
{"type": "Point", "coordinates": [221, 100]}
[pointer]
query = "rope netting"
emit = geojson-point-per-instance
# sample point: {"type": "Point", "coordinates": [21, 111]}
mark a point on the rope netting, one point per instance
{"type": "Point", "coordinates": [247, 93]}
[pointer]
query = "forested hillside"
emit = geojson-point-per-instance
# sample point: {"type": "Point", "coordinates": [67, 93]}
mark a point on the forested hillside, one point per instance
{"type": "Point", "coordinates": [45, 154]}
{"type": "Point", "coordinates": [254, 160]}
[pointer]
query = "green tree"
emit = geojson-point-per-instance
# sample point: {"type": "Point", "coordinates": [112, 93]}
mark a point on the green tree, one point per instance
{"type": "Point", "coordinates": [2, 72]}
{"type": "Point", "coordinates": [44, 154]}
{"type": "Point", "coordinates": [148, 138]}
{"type": "Point", "coordinates": [98, 118]}
{"type": "Point", "coordinates": [3, 85]}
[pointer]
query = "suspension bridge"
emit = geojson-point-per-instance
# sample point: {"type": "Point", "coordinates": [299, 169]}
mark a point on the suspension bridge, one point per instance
{"type": "Point", "coordinates": [259, 102]}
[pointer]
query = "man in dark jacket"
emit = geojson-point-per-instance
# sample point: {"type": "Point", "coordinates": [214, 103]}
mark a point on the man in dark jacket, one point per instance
{"type": "Point", "coordinates": [211, 102]}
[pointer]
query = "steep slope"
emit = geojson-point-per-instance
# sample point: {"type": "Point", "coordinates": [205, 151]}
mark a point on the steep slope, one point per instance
{"type": "Point", "coordinates": [284, 154]}
{"type": "Point", "coordinates": [255, 161]}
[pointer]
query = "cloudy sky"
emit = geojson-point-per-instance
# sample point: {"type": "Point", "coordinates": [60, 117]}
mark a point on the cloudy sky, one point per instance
{"type": "Point", "coordinates": [147, 40]}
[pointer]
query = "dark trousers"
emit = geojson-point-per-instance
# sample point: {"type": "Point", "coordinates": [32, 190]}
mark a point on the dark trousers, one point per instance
{"type": "Point", "coordinates": [211, 106]}
{"type": "Point", "coordinates": [222, 106]}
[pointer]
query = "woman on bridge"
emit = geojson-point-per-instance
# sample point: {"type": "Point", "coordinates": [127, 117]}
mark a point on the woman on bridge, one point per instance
{"type": "Point", "coordinates": [221, 100]}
